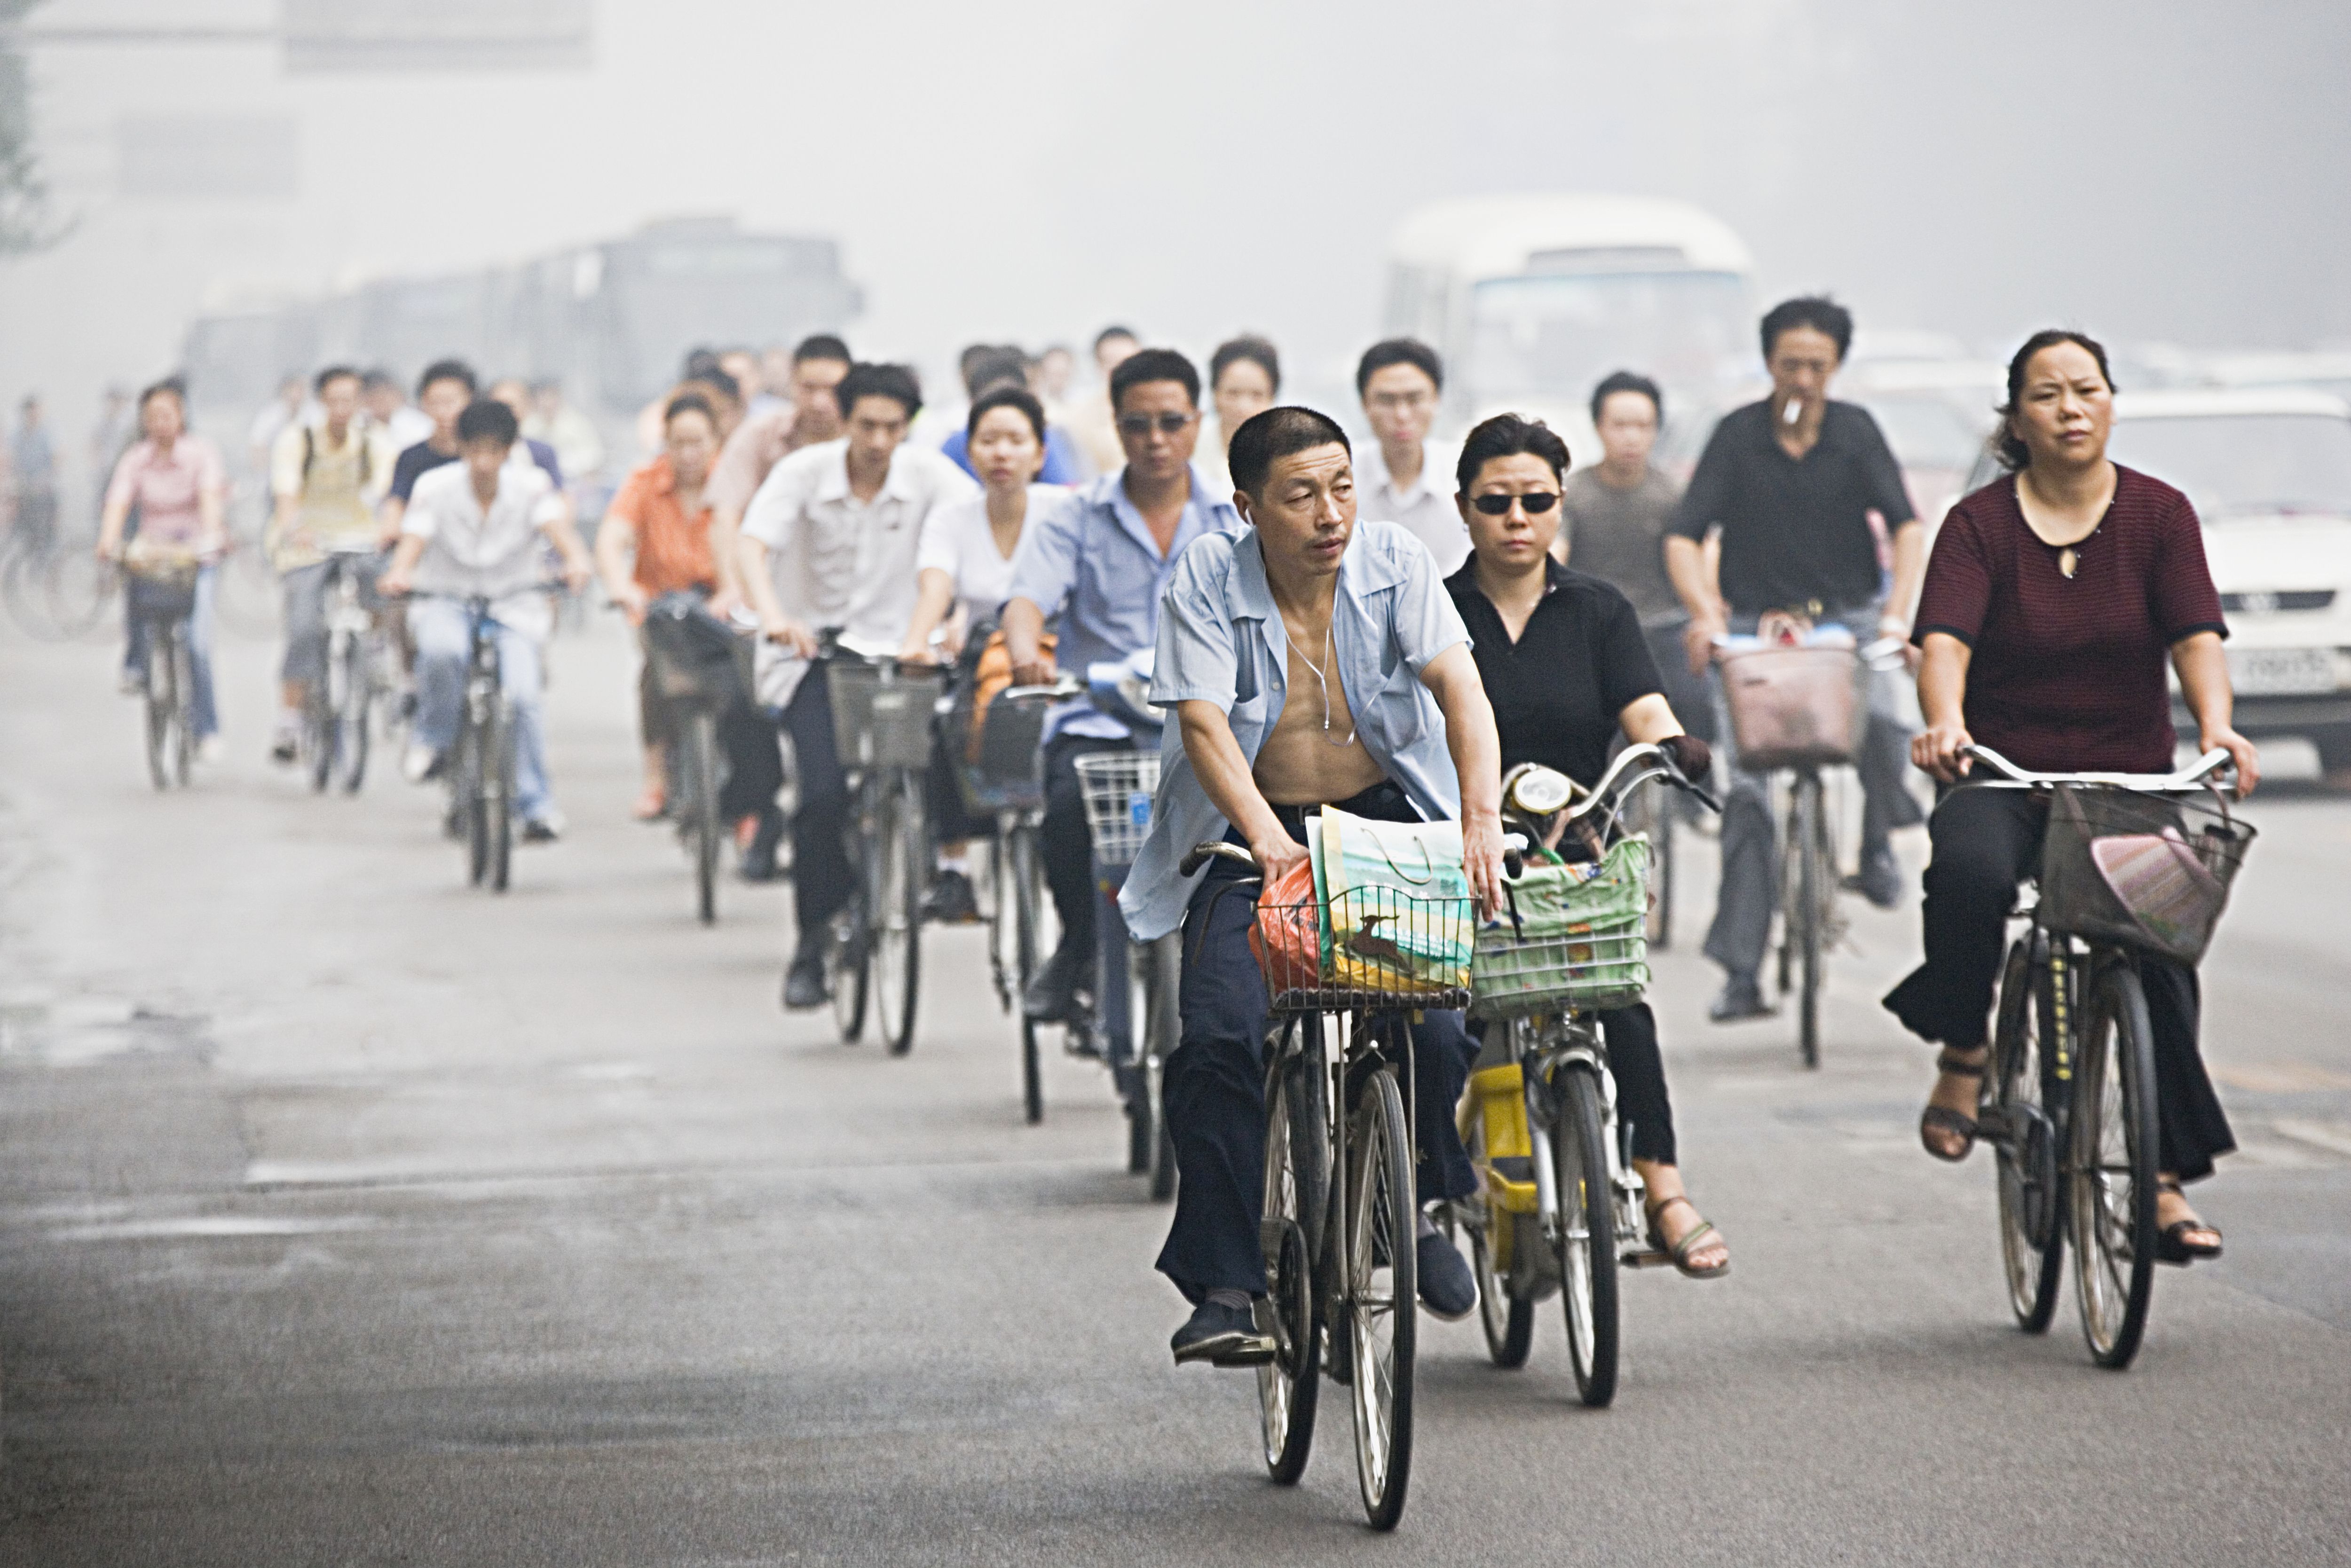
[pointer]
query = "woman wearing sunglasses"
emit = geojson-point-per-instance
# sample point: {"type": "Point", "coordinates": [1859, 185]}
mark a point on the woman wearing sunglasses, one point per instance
{"type": "Point", "coordinates": [1566, 667]}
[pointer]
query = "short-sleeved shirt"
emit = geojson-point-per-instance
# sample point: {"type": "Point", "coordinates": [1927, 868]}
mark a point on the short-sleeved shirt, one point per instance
{"type": "Point", "coordinates": [1424, 508]}
{"type": "Point", "coordinates": [335, 487]}
{"type": "Point", "coordinates": [1092, 567]}
{"type": "Point", "coordinates": [836, 560]}
{"type": "Point", "coordinates": [956, 540]}
{"type": "Point", "coordinates": [167, 490]}
{"type": "Point", "coordinates": [1577, 664]}
{"type": "Point", "coordinates": [487, 552]}
{"type": "Point", "coordinates": [1619, 536]}
{"type": "Point", "coordinates": [672, 549]}
{"type": "Point", "coordinates": [2066, 675]}
{"type": "Point", "coordinates": [1221, 641]}
{"type": "Point", "coordinates": [758, 443]}
{"type": "Point", "coordinates": [1795, 531]}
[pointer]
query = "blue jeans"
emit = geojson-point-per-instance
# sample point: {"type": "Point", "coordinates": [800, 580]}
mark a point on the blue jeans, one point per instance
{"type": "Point", "coordinates": [199, 634]}
{"type": "Point", "coordinates": [444, 645]}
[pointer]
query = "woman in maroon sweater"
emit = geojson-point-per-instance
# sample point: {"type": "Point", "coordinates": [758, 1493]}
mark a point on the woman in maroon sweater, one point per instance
{"type": "Point", "coordinates": [2050, 603]}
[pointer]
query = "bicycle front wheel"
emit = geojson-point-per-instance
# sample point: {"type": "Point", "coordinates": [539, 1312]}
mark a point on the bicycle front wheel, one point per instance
{"type": "Point", "coordinates": [896, 927]}
{"type": "Point", "coordinates": [468, 801]}
{"type": "Point", "coordinates": [1814, 883]}
{"type": "Point", "coordinates": [499, 795]}
{"type": "Point", "coordinates": [1587, 1232]}
{"type": "Point", "coordinates": [352, 687]}
{"type": "Point", "coordinates": [701, 760]}
{"type": "Point", "coordinates": [2024, 1146]}
{"type": "Point", "coordinates": [2114, 1168]}
{"type": "Point", "coordinates": [163, 706]}
{"type": "Point", "coordinates": [1020, 853]}
{"type": "Point", "coordinates": [1297, 1165]}
{"type": "Point", "coordinates": [1381, 1285]}
{"type": "Point", "coordinates": [183, 702]}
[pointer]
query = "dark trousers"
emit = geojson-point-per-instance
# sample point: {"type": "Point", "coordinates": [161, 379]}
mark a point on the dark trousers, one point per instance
{"type": "Point", "coordinates": [755, 762]}
{"type": "Point", "coordinates": [1216, 1086]}
{"type": "Point", "coordinates": [1062, 843]}
{"type": "Point", "coordinates": [1985, 842]}
{"type": "Point", "coordinates": [822, 872]}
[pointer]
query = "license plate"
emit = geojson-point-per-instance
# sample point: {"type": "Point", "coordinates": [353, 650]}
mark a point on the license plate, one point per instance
{"type": "Point", "coordinates": [2271, 672]}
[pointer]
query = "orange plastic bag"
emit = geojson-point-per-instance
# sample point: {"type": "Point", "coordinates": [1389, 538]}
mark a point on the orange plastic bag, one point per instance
{"type": "Point", "coordinates": [1287, 937]}
{"type": "Point", "coordinates": [992, 675]}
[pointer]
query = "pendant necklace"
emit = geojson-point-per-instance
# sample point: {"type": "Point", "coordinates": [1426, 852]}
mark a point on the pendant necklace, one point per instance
{"type": "Point", "coordinates": [1330, 646]}
{"type": "Point", "coordinates": [2069, 557]}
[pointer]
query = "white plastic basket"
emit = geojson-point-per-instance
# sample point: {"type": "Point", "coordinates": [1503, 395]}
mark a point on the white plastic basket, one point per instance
{"type": "Point", "coordinates": [1118, 786]}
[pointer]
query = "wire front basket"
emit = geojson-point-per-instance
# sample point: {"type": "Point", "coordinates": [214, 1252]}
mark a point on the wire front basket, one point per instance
{"type": "Point", "coordinates": [999, 766]}
{"type": "Point", "coordinates": [1118, 786]}
{"type": "Point", "coordinates": [1376, 949]}
{"type": "Point", "coordinates": [2148, 872]}
{"type": "Point", "coordinates": [1571, 939]}
{"type": "Point", "coordinates": [881, 713]}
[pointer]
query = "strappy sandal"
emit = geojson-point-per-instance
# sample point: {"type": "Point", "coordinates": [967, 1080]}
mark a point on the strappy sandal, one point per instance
{"type": "Point", "coordinates": [1943, 1119]}
{"type": "Point", "coordinates": [2171, 1243]}
{"type": "Point", "coordinates": [1680, 1251]}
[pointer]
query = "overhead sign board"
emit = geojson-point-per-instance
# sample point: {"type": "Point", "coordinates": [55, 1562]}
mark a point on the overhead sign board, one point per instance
{"type": "Point", "coordinates": [438, 35]}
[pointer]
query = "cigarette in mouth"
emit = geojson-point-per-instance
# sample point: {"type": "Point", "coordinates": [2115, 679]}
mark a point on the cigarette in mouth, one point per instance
{"type": "Point", "coordinates": [1795, 411]}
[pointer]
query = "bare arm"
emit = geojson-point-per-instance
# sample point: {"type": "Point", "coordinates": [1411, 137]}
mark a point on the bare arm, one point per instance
{"type": "Point", "coordinates": [578, 570]}
{"type": "Point", "coordinates": [1477, 747]}
{"type": "Point", "coordinates": [211, 519]}
{"type": "Point", "coordinates": [726, 555]}
{"type": "Point", "coordinates": [1693, 573]}
{"type": "Point", "coordinates": [1224, 774]}
{"type": "Point", "coordinates": [616, 546]}
{"type": "Point", "coordinates": [398, 576]}
{"type": "Point", "coordinates": [111, 523]}
{"type": "Point", "coordinates": [2204, 681]}
{"type": "Point", "coordinates": [1649, 719]}
{"type": "Point", "coordinates": [751, 565]}
{"type": "Point", "coordinates": [394, 513]}
{"type": "Point", "coordinates": [1024, 632]}
{"type": "Point", "coordinates": [1942, 698]}
{"type": "Point", "coordinates": [933, 597]}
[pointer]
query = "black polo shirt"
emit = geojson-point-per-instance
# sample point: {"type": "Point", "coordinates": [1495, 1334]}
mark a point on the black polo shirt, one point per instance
{"type": "Point", "coordinates": [1557, 689]}
{"type": "Point", "coordinates": [1795, 532]}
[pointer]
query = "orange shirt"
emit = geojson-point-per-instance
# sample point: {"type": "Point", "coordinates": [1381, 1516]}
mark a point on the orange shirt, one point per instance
{"type": "Point", "coordinates": [673, 550]}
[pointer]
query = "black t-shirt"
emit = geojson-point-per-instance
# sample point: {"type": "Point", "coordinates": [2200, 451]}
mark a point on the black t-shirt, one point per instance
{"type": "Point", "coordinates": [1795, 534]}
{"type": "Point", "coordinates": [413, 464]}
{"type": "Point", "coordinates": [1557, 691]}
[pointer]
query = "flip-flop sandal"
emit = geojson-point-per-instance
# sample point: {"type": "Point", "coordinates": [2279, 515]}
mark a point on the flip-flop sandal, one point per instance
{"type": "Point", "coordinates": [2171, 1243]}
{"type": "Point", "coordinates": [1680, 1251]}
{"type": "Point", "coordinates": [1942, 1118]}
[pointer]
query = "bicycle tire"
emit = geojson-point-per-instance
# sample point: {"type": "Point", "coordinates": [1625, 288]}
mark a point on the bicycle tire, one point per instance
{"type": "Point", "coordinates": [162, 705]}
{"type": "Point", "coordinates": [2032, 1238]}
{"type": "Point", "coordinates": [848, 974]}
{"type": "Point", "coordinates": [499, 809]}
{"type": "Point", "coordinates": [2113, 1127]}
{"type": "Point", "coordinates": [22, 590]}
{"type": "Point", "coordinates": [184, 716]}
{"type": "Point", "coordinates": [1163, 1031]}
{"type": "Point", "coordinates": [702, 801]}
{"type": "Point", "coordinates": [1381, 1233]}
{"type": "Point", "coordinates": [897, 948]}
{"type": "Point", "coordinates": [317, 746]}
{"type": "Point", "coordinates": [466, 792]}
{"type": "Point", "coordinates": [354, 696]}
{"type": "Point", "coordinates": [1815, 882]}
{"type": "Point", "coordinates": [1020, 845]}
{"type": "Point", "coordinates": [78, 589]}
{"type": "Point", "coordinates": [1296, 1170]}
{"type": "Point", "coordinates": [1587, 1232]}
{"type": "Point", "coordinates": [1509, 1320]}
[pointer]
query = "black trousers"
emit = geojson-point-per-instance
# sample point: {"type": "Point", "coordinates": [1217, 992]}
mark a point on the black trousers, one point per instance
{"type": "Point", "coordinates": [1063, 845]}
{"type": "Point", "coordinates": [822, 872]}
{"type": "Point", "coordinates": [754, 763]}
{"type": "Point", "coordinates": [1985, 842]}
{"type": "Point", "coordinates": [1215, 1084]}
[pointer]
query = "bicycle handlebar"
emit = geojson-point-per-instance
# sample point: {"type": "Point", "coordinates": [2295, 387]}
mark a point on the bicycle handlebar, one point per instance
{"type": "Point", "coordinates": [1513, 846]}
{"type": "Point", "coordinates": [2196, 776]}
{"type": "Point", "coordinates": [1066, 687]}
{"type": "Point", "coordinates": [1653, 757]}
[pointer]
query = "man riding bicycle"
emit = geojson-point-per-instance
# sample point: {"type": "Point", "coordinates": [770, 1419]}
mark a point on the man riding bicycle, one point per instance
{"type": "Point", "coordinates": [1791, 481]}
{"type": "Point", "coordinates": [1357, 624]}
{"type": "Point", "coordinates": [1100, 565]}
{"type": "Point", "coordinates": [471, 530]}
{"type": "Point", "coordinates": [327, 479]}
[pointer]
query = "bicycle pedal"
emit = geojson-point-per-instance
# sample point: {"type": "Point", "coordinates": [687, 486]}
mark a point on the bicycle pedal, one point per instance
{"type": "Point", "coordinates": [1647, 1259]}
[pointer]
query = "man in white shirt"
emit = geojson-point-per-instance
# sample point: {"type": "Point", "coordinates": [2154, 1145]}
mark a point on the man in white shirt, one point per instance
{"type": "Point", "coordinates": [471, 529]}
{"type": "Point", "coordinates": [1406, 479]}
{"type": "Point", "coordinates": [829, 541]}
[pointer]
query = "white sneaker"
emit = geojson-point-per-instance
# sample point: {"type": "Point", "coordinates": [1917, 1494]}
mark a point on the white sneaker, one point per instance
{"type": "Point", "coordinates": [211, 748]}
{"type": "Point", "coordinates": [419, 763]}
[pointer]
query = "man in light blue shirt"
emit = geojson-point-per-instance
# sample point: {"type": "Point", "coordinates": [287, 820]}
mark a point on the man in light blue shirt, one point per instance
{"type": "Point", "coordinates": [1311, 662]}
{"type": "Point", "coordinates": [1100, 565]}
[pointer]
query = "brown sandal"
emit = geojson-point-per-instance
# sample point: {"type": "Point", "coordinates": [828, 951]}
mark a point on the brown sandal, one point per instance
{"type": "Point", "coordinates": [1943, 1119]}
{"type": "Point", "coordinates": [1680, 1251]}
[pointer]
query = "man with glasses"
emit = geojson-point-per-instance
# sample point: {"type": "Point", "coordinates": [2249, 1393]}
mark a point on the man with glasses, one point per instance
{"type": "Point", "coordinates": [1404, 480]}
{"type": "Point", "coordinates": [1100, 565]}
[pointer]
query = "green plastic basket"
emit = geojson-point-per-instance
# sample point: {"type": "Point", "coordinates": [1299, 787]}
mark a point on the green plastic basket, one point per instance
{"type": "Point", "coordinates": [1579, 942]}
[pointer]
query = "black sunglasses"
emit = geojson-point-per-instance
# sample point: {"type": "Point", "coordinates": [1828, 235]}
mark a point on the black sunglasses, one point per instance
{"type": "Point", "coordinates": [1141, 424]}
{"type": "Point", "coordinates": [1536, 502]}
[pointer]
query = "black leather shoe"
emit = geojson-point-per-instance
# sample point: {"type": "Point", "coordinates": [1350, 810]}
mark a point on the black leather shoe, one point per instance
{"type": "Point", "coordinates": [950, 901]}
{"type": "Point", "coordinates": [804, 981]}
{"type": "Point", "coordinates": [1879, 880]}
{"type": "Point", "coordinates": [1447, 1289]}
{"type": "Point", "coordinates": [1741, 998]}
{"type": "Point", "coordinates": [1052, 996]}
{"type": "Point", "coordinates": [1226, 1336]}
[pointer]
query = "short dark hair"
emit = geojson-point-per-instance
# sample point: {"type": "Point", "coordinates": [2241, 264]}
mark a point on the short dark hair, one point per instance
{"type": "Point", "coordinates": [337, 373]}
{"type": "Point", "coordinates": [986, 365]}
{"type": "Point", "coordinates": [1153, 365]}
{"type": "Point", "coordinates": [1508, 436]}
{"type": "Point", "coordinates": [1818, 311]}
{"type": "Point", "coordinates": [720, 381]}
{"type": "Point", "coordinates": [2006, 444]}
{"type": "Point", "coordinates": [1005, 395]}
{"type": "Point", "coordinates": [172, 387]}
{"type": "Point", "coordinates": [1398, 351]}
{"type": "Point", "coordinates": [448, 371]}
{"type": "Point", "coordinates": [1627, 382]}
{"type": "Point", "coordinates": [689, 403]}
{"type": "Point", "coordinates": [376, 376]}
{"type": "Point", "coordinates": [1250, 348]}
{"type": "Point", "coordinates": [1264, 439]}
{"type": "Point", "coordinates": [896, 382]}
{"type": "Point", "coordinates": [822, 346]}
{"type": "Point", "coordinates": [1107, 333]}
{"type": "Point", "coordinates": [697, 362]}
{"type": "Point", "coordinates": [487, 419]}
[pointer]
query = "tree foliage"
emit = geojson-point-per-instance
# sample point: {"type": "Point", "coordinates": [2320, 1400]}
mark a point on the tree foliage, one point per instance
{"type": "Point", "coordinates": [24, 220]}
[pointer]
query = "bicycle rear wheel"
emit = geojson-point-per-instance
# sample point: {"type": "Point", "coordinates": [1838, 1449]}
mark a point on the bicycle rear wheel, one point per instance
{"type": "Point", "coordinates": [1382, 1286]}
{"type": "Point", "coordinates": [1161, 1030]}
{"type": "Point", "coordinates": [1509, 1320]}
{"type": "Point", "coordinates": [1021, 877]}
{"type": "Point", "coordinates": [2114, 1168]}
{"type": "Point", "coordinates": [2024, 1142]}
{"type": "Point", "coordinates": [1297, 1167]}
{"type": "Point", "coordinates": [1587, 1232]}
{"type": "Point", "coordinates": [77, 589]}
{"type": "Point", "coordinates": [701, 769]}
{"type": "Point", "coordinates": [897, 922]}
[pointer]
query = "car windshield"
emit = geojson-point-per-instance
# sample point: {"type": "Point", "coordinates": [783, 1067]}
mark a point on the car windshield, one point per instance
{"type": "Point", "coordinates": [2233, 465]}
{"type": "Point", "coordinates": [1547, 338]}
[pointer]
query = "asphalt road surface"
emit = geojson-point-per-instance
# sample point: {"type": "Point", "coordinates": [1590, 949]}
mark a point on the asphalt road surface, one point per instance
{"type": "Point", "coordinates": [347, 1216]}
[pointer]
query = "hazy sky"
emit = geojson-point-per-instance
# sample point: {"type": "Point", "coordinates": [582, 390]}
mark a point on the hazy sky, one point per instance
{"type": "Point", "coordinates": [2152, 169]}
